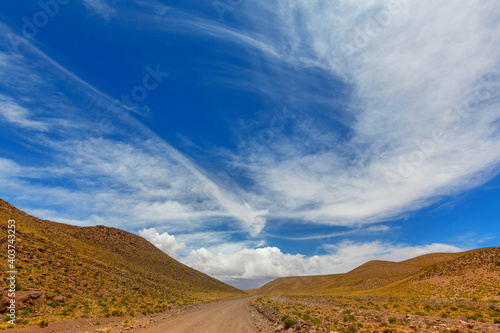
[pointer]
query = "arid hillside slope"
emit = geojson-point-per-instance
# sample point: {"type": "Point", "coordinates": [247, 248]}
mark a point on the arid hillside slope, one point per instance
{"type": "Point", "coordinates": [67, 271]}
{"type": "Point", "coordinates": [465, 275]}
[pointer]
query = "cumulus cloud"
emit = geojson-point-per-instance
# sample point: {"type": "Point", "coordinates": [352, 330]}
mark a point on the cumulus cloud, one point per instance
{"type": "Point", "coordinates": [267, 262]}
{"type": "Point", "coordinates": [165, 242]}
{"type": "Point", "coordinates": [247, 268]}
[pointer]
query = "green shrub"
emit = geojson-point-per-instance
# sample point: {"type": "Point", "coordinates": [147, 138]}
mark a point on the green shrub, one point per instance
{"type": "Point", "coordinates": [289, 322]}
{"type": "Point", "coordinates": [55, 304]}
{"type": "Point", "coordinates": [349, 318]}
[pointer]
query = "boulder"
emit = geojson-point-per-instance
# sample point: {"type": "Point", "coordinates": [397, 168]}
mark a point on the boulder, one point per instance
{"type": "Point", "coordinates": [4, 303]}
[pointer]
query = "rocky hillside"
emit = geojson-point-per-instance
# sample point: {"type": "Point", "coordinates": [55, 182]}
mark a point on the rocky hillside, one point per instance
{"type": "Point", "coordinates": [465, 275]}
{"type": "Point", "coordinates": [67, 271]}
{"type": "Point", "coordinates": [475, 275]}
{"type": "Point", "coordinates": [293, 284]}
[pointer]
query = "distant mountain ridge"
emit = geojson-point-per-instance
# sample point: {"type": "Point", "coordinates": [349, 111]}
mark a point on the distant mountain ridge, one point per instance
{"type": "Point", "coordinates": [69, 271]}
{"type": "Point", "coordinates": [463, 275]}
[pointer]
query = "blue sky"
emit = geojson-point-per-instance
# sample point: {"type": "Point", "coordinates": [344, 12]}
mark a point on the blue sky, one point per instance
{"type": "Point", "coordinates": [256, 139]}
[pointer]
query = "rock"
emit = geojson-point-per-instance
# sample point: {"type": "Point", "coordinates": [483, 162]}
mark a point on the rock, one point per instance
{"type": "Point", "coordinates": [279, 328]}
{"type": "Point", "coordinates": [36, 293]}
{"type": "Point", "coordinates": [21, 297]}
{"type": "Point", "coordinates": [59, 298]}
{"type": "Point", "coordinates": [20, 306]}
{"type": "Point", "coordinates": [4, 303]}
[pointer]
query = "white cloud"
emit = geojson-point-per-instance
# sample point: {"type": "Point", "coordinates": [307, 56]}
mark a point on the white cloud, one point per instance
{"type": "Point", "coordinates": [118, 175]}
{"type": "Point", "coordinates": [19, 116]}
{"type": "Point", "coordinates": [165, 242]}
{"type": "Point", "coordinates": [268, 262]}
{"type": "Point", "coordinates": [247, 267]}
{"type": "Point", "coordinates": [100, 7]}
{"type": "Point", "coordinates": [408, 142]}
{"type": "Point", "coordinates": [354, 254]}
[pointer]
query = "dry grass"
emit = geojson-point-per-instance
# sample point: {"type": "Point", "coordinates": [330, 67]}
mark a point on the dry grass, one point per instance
{"type": "Point", "coordinates": [439, 292]}
{"type": "Point", "coordinates": [98, 272]}
{"type": "Point", "coordinates": [465, 275]}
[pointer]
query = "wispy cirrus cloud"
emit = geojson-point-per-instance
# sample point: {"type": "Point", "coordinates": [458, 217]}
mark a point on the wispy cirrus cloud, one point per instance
{"type": "Point", "coordinates": [100, 7]}
{"type": "Point", "coordinates": [423, 96]}
{"type": "Point", "coordinates": [18, 116]}
{"type": "Point", "coordinates": [393, 105]}
{"type": "Point", "coordinates": [415, 105]}
{"type": "Point", "coordinates": [119, 169]}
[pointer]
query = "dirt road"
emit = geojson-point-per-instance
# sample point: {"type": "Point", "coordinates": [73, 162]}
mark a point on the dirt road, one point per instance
{"type": "Point", "coordinates": [232, 316]}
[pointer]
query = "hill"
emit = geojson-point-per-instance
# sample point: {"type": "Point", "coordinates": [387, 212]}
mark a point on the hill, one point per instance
{"type": "Point", "coordinates": [473, 275]}
{"type": "Point", "coordinates": [66, 271]}
{"type": "Point", "coordinates": [293, 284]}
{"type": "Point", "coordinates": [437, 275]}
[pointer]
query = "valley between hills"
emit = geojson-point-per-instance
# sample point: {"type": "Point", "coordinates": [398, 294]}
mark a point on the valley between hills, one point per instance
{"type": "Point", "coordinates": [101, 279]}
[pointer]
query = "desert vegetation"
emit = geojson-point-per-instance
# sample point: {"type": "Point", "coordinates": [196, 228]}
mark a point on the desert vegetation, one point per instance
{"type": "Point", "coordinates": [434, 293]}
{"type": "Point", "coordinates": [68, 272]}
{"type": "Point", "coordinates": [378, 314]}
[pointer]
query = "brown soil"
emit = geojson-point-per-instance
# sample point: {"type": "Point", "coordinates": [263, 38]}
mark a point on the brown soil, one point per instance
{"type": "Point", "coordinates": [235, 316]}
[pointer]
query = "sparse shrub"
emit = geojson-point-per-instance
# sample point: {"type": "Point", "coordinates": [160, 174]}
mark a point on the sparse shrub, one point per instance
{"type": "Point", "coordinates": [42, 323]}
{"type": "Point", "coordinates": [392, 320]}
{"type": "Point", "coordinates": [116, 313]}
{"type": "Point", "coordinates": [66, 313]}
{"type": "Point", "coordinates": [26, 311]}
{"type": "Point", "coordinates": [55, 304]}
{"type": "Point", "coordinates": [445, 314]}
{"type": "Point", "coordinates": [289, 322]}
{"type": "Point", "coordinates": [349, 318]}
{"type": "Point", "coordinates": [316, 321]}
